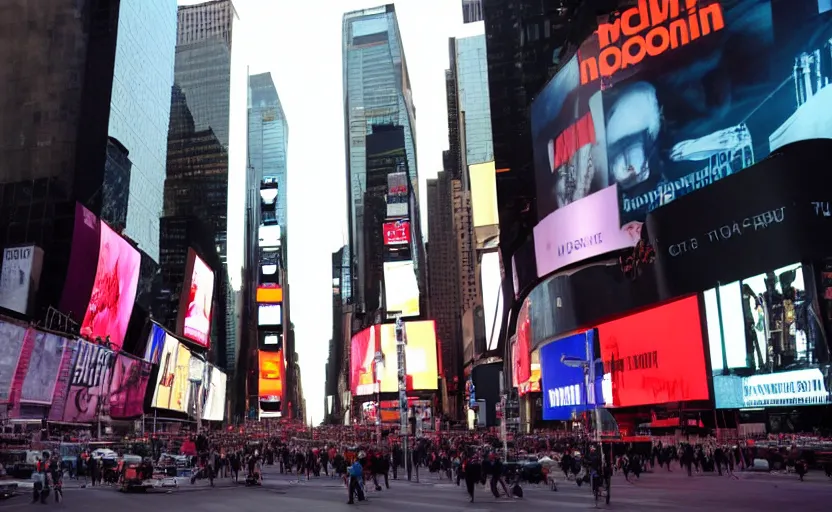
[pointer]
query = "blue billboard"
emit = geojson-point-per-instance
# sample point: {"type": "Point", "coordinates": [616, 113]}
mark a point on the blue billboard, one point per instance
{"type": "Point", "coordinates": [563, 387]}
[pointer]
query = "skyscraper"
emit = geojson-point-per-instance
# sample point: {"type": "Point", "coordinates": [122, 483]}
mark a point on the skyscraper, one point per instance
{"type": "Point", "coordinates": [377, 98]}
{"type": "Point", "coordinates": [471, 11]}
{"type": "Point", "coordinates": [202, 151]}
{"type": "Point", "coordinates": [84, 109]}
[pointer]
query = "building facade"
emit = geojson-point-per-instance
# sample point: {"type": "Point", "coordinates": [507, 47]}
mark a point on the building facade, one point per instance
{"type": "Point", "coordinates": [377, 92]}
{"type": "Point", "coordinates": [472, 11]}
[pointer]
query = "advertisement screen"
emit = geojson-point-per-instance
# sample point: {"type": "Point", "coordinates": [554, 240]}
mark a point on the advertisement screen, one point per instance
{"type": "Point", "coordinates": [269, 235]}
{"type": "Point", "coordinates": [763, 341]}
{"type": "Point", "coordinates": [155, 343]}
{"type": "Point", "coordinates": [61, 392]}
{"type": "Point", "coordinates": [655, 357]}
{"type": "Point", "coordinates": [214, 408]}
{"type": "Point", "coordinates": [363, 348]}
{"type": "Point", "coordinates": [690, 104]}
{"type": "Point", "coordinates": [269, 294]}
{"type": "Point", "coordinates": [114, 289]}
{"type": "Point", "coordinates": [89, 387]}
{"type": "Point", "coordinates": [128, 387]}
{"type": "Point", "coordinates": [522, 349]}
{"type": "Point", "coordinates": [492, 298]}
{"type": "Point", "coordinates": [564, 389]}
{"type": "Point", "coordinates": [401, 290]}
{"type": "Point", "coordinates": [420, 356]}
{"type": "Point", "coordinates": [271, 339]}
{"type": "Point", "coordinates": [181, 387]}
{"type": "Point", "coordinates": [86, 237]}
{"type": "Point", "coordinates": [19, 277]}
{"type": "Point", "coordinates": [44, 364]}
{"type": "Point", "coordinates": [194, 322]}
{"type": "Point", "coordinates": [271, 376]}
{"type": "Point", "coordinates": [167, 373]}
{"type": "Point", "coordinates": [396, 233]}
{"type": "Point", "coordinates": [269, 314]}
{"type": "Point", "coordinates": [582, 230]}
{"type": "Point", "coordinates": [397, 194]}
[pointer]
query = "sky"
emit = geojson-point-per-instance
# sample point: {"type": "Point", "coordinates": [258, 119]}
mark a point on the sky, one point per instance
{"type": "Point", "coordinates": [299, 42]}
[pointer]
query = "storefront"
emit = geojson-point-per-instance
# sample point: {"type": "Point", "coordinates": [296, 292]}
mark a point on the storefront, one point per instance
{"type": "Point", "coordinates": [757, 245]}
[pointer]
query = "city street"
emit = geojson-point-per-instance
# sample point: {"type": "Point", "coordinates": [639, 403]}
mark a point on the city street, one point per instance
{"type": "Point", "coordinates": [654, 492]}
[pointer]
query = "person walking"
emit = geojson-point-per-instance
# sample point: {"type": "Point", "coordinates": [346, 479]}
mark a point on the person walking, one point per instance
{"type": "Point", "coordinates": [356, 473]}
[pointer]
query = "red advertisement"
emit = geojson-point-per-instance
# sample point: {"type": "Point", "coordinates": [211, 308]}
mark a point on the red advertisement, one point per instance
{"type": "Point", "coordinates": [522, 358]}
{"type": "Point", "coordinates": [195, 309]}
{"type": "Point", "coordinates": [655, 357]}
{"type": "Point", "coordinates": [114, 289]}
{"type": "Point", "coordinates": [397, 233]}
{"type": "Point", "coordinates": [362, 350]}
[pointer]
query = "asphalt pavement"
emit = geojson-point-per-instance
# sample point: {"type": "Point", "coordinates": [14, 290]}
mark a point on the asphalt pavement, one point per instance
{"type": "Point", "coordinates": [659, 491]}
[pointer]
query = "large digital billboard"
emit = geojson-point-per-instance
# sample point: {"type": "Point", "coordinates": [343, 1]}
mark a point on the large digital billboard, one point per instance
{"type": "Point", "coordinates": [114, 289]}
{"type": "Point", "coordinates": [196, 303]}
{"type": "Point", "coordinates": [397, 232]}
{"type": "Point", "coordinates": [401, 290]}
{"type": "Point", "coordinates": [155, 344]}
{"type": "Point", "coordinates": [271, 376]}
{"type": "Point", "coordinates": [269, 315]}
{"type": "Point", "coordinates": [420, 356]}
{"type": "Point", "coordinates": [764, 342]}
{"type": "Point", "coordinates": [20, 277]}
{"type": "Point", "coordinates": [45, 361]}
{"type": "Point", "coordinates": [128, 386]}
{"type": "Point", "coordinates": [563, 386]}
{"type": "Point", "coordinates": [492, 298]}
{"type": "Point", "coordinates": [363, 347]}
{"type": "Point", "coordinates": [656, 356]}
{"type": "Point", "coordinates": [269, 293]}
{"type": "Point", "coordinates": [89, 385]}
{"type": "Point", "coordinates": [669, 97]}
{"type": "Point", "coordinates": [214, 385]}
{"type": "Point", "coordinates": [83, 261]}
{"type": "Point", "coordinates": [165, 381]}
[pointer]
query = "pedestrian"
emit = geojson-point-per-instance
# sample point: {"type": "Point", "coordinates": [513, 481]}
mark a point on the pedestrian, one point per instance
{"type": "Point", "coordinates": [356, 473]}
{"type": "Point", "coordinates": [473, 474]}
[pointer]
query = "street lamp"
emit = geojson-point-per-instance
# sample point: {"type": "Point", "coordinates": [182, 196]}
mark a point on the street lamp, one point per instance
{"type": "Point", "coordinates": [379, 369]}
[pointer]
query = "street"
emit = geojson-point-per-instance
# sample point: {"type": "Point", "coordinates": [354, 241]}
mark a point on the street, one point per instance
{"type": "Point", "coordinates": [653, 492]}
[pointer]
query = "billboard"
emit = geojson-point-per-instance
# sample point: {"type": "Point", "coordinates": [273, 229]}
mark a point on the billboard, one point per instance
{"type": "Point", "coordinates": [214, 386]}
{"type": "Point", "coordinates": [155, 344]}
{"type": "Point", "coordinates": [269, 235]}
{"type": "Point", "coordinates": [196, 302]}
{"type": "Point", "coordinates": [114, 289]}
{"type": "Point", "coordinates": [270, 387]}
{"type": "Point", "coordinates": [521, 355]}
{"type": "Point", "coordinates": [666, 99]}
{"type": "Point", "coordinates": [19, 277]}
{"type": "Point", "coordinates": [47, 355]}
{"type": "Point", "coordinates": [401, 290]}
{"type": "Point", "coordinates": [167, 373]}
{"type": "Point", "coordinates": [641, 364]}
{"type": "Point", "coordinates": [396, 233]}
{"type": "Point", "coordinates": [491, 284]}
{"type": "Point", "coordinates": [89, 386]}
{"type": "Point", "coordinates": [83, 262]}
{"type": "Point", "coordinates": [269, 314]}
{"type": "Point", "coordinates": [762, 349]}
{"type": "Point", "coordinates": [181, 386]}
{"type": "Point", "coordinates": [128, 386]}
{"type": "Point", "coordinates": [420, 356]}
{"type": "Point", "coordinates": [363, 347]}
{"type": "Point", "coordinates": [11, 345]}
{"type": "Point", "coordinates": [269, 294]}
{"type": "Point", "coordinates": [397, 192]}
{"type": "Point", "coordinates": [582, 230]}
{"type": "Point", "coordinates": [61, 393]}
{"type": "Point", "coordinates": [564, 388]}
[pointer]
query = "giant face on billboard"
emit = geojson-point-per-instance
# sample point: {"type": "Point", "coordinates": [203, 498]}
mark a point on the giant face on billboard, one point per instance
{"type": "Point", "coordinates": [563, 386]}
{"type": "Point", "coordinates": [114, 289]}
{"type": "Point", "coordinates": [672, 96]}
{"type": "Point", "coordinates": [765, 340]}
{"type": "Point", "coordinates": [271, 376]}
{"type": "Point", "coordinates": [167, 373]}
{"type": "Point", "coordinates": [420, 356]}
{"type": "Point", "coordinates": [194, 320]}
{"type": "Point", "coordinates": [654, 357]}
{"type": "Point", "coordinates": [401, 290]}
{"type": "Point", "coordinates": [363, 347]}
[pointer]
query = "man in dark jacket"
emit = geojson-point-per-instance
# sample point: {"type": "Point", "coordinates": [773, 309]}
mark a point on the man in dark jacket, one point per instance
{"type": "Point", "coordinates": [473, 474]}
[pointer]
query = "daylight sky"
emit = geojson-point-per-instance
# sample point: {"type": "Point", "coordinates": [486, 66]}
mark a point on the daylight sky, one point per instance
{"type": "Point", "coordinates": [299, 42]}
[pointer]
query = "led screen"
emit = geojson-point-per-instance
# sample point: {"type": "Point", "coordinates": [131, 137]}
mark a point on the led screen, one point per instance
{"type": "Point", "coordinates": [268, 195]}
{"type": "Point", "coordinates": [114, 289]}
{"type": "Point", "coordinates": [420, 356]}
{"type": "Point", "coordinates": [181, 387]}
{"type": "Point", "coordinates": [564, 389]}
{"type": "Point", "coordinates": [215, 389]}
{"type": "Point", "coordinates": [89, 385]}
{"type": "Point", "coordinates": [83, 261]}
{"type": "Point", "coordinates": [271, 339]}
{"type": "Point", "coordinates": [269, 294]}
{"type": "Point", "coordinates": [269, 314]}
{"type": "Point", "coordinates": [363, 347]}
{"type": "Point", "coordinates": [269, 235]}
{"type": "Point", "coordinates": [764, 340]}
{"type": "Point", "coordinates": [401, 290]}
{"type": "Point", "coordinates": [492, 298]}
{"type": "Point", "coordinates": [655, 357]}
{"type": "Point", "coordinates": [155, 344]}
{"type": "Point", "coordinates": [167, 373]}
{"type": "Point", "coordinates": [271, 376]}
{"type": "Point", "coordinates": [197, 301]}
{"type": "Point", "coordinates": [46, 357]}
{"type": "Point", "coordinates": [690, 104]}
{"type": "Point", "coordinates": [396, 233]}
{"type": "Point", "coordinates": [128, 387]}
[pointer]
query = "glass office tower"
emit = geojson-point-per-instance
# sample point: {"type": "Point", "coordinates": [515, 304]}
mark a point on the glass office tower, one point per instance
{"type": "Point", "coordinates": [376, 93]}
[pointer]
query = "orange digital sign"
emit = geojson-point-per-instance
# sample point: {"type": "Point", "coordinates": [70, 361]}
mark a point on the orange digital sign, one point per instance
{"type": "Point", "coordinates": [269, 294]}
{"type": "Point", "coordinates": [649, 29]}
{"type": "Point", "coordinates": [420, 356]}
{"type": "Point", "coordinates": [271, 376]}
